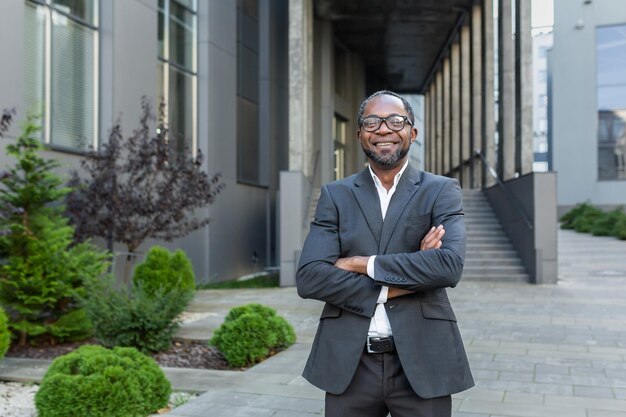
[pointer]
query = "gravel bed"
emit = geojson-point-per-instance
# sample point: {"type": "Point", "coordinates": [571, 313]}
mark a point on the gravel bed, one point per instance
{"type": "Point", "coordinates": [18, 400]}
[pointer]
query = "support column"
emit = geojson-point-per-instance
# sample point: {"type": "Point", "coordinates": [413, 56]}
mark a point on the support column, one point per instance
{"type": "Point", "coordinates": [433, 127]}
{"type": "Point", "coordinates": [446, 116]}
{"type": "Point", "coordinates": [439, 132]}
{"type": "Point", "coordinates": [425, 132]}
{"type": "Point", "coordinates": [488, 105]}
{"type": "Point", "coordinates": [465, 107]}
{"type": "Point", "coordinates": [523, 88]}
{"type": "Point", "coordinates": [455, 111]}
{"type": "Point", "coordinates": [477, 97]}
{"type": "Point", "coordinates": [506, 96]}
{"type": "Point", "coordinates": [327, 95]}
{"type": "Point", "coordinates": [301, 86]}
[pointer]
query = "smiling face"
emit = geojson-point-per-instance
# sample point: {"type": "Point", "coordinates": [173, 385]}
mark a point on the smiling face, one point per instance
{"type": "Point", "coordinates": [385, 148]}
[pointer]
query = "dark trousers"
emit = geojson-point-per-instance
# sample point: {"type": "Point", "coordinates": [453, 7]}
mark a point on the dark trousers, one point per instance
{"type": "Point", "coordinates": [380, 387]}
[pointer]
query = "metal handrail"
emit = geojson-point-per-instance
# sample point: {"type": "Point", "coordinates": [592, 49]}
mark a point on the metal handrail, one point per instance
{"type": "Point", "coordinates": [510, 196]}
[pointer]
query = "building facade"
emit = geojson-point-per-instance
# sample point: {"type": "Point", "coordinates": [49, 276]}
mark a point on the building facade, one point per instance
{"type": "Point", "coordinates": [221, 67]}
{"type": "Point", "coordinates": [268, 91]}
{"type": "Point", "coordinates": [589, 102]}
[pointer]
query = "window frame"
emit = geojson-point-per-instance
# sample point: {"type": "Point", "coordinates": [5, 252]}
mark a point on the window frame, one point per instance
{"type": "Point", "coordinates": [49, 9]}
{"type": "Point", "coordinates": [168, 62]}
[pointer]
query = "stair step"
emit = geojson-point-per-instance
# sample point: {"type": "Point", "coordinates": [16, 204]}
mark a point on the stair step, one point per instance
{"type": "Point", "coordinates": [511, 278]}
{"type": "Point", "coordinates": [494, 269]}
{"type": "Point", "coordinates": [487, 262]}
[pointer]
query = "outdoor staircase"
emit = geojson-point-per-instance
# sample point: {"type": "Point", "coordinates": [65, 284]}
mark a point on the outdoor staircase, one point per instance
{"type": "Point", "coordinates": [489, 256]}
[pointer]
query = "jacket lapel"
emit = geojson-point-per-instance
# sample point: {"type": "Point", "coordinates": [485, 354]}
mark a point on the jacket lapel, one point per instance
{"type": "Point", "coordinates": [406, 188]}
{"type": "Point", "coordinates": [367, 197]}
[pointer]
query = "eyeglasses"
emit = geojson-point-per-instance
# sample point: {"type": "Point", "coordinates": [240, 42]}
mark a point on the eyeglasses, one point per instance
{"type": "Point", "coordinates": [394, 122]}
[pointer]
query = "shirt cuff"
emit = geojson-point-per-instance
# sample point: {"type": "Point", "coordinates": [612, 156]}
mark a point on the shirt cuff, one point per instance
{"type": "Point", "coordinates": [370, 266]}
{"type": "Point", "coordinates": [382, 297]}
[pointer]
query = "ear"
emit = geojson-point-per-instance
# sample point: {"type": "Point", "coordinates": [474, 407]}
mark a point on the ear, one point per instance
{"type": "Point", "coordinates": [413, 134]}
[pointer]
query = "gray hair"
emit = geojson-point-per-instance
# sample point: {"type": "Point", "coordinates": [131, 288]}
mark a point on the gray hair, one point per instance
{"type": "Point", "coordinates": [405, 103]}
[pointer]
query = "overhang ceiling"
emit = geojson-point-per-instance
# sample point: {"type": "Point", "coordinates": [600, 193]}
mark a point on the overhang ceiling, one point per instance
{"type": "Point", "coordinates": [399, 40]}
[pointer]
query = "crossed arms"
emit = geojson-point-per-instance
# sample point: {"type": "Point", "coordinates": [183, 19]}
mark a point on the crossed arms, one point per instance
{"type": "Point", "coordinates": [323, 275]}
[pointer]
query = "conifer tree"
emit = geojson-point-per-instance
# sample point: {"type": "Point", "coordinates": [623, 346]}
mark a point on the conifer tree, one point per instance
{"type": "Point", "coordinates": [42, 274]}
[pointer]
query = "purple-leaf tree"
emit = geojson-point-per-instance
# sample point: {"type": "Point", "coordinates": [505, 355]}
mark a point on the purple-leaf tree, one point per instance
{"type": "Point", "coordinates": [139, 187]}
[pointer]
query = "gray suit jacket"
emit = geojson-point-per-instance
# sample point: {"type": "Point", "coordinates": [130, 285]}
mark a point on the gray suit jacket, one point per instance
{"type": "Point", "coordinates": [348, 222]}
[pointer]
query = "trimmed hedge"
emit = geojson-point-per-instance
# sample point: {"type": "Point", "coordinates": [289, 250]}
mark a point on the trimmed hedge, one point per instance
{"type": "Point", "coordinates": [5, 335]}
{"type": "Point", "coordinates": [97, 382]}
{"type": "Point", "coordinates": [251, 333]}
{"type": "Point", "coordinates": [165, 271]}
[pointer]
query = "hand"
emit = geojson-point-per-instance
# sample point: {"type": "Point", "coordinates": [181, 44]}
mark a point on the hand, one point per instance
{"type": "Point", "coordinates": [397, 292]}
{"type": "Point", "coordinates": [432, 240]}
{"type": "Point", "coordinates": [353, 264]}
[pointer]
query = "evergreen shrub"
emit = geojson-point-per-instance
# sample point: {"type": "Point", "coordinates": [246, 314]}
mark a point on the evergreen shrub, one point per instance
{"type": "Point", "coordinates": [568, 218]}
{"type": "Point", "coordinates": [162, 270]}
{"type": "Point", "coordinates": [250, 333]}
{"type": "Point", "coordinates": [143, 320]}
{"type": "Point", "coordinates": [620, 228]}
{"type": "Point", "coordinates": [605, 225]}
{"type": "Point", "coordinates": [5, 335]}
{"type": "Point", "coordinates": [584, 222]}
{"type": "Point", "coordinates": [97, 382]}
{"type": "Point", "coordinates": [43, 273]}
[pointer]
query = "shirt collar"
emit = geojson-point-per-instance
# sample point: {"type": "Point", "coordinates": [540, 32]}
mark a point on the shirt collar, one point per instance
{"type": "Point", "coordinates": [396, 179]}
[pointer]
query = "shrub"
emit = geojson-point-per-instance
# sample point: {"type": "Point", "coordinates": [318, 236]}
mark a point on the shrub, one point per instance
{"type": "Point", "coordinates": [97, 382]}
{"type": "Point", "coordinates": [250, 333]}
{"type": "Point", "coordinates": [165, 271]}
{"type": "Point", "coordinates": [584, 222]}
{"type": "Point", "coordinates": [146, 321]}
{"type": "Point", "coordinates": [620, 228]}
{"type": "Point", "coordinates": [43, 274]}
{"type": "Point", "coordinates": [5, 335]}
{"type": "Point", "coordinates": [568, 218]}
{"type": "Point", "coordinates": [605, 225]}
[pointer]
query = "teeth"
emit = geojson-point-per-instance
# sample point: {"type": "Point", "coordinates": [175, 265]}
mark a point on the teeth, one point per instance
{"type": "Point", "coordinates": [384, 143]}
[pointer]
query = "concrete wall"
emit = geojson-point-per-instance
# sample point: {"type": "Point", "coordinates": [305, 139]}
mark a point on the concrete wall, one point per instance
{"type": "Point", "coordinates": [242, 237]}
{"type": "Point", "coordinates": [574, 103]}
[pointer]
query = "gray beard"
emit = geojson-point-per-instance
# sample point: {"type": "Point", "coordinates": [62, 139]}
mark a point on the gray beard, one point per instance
{"type": "Point", "coordinates": [389, 160]}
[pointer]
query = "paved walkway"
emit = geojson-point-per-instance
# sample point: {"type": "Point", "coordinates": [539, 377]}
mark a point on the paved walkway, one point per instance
{"type": "Point", "coordinates": [535, 351]}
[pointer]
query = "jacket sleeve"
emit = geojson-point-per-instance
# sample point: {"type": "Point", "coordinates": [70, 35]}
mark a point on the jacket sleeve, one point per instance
{"type": "Point", "coordinates": [319, 279]}
{"type": "Point", "coordinates": [431, 269]}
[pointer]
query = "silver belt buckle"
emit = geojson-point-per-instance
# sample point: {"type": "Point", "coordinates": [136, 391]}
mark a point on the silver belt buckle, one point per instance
{"type": "Point", "coordinates": [369, 343]}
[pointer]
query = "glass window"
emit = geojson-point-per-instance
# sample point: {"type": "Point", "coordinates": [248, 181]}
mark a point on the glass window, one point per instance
{"type": "Point", "coordinates": [176, 69]}
{"type": "Point", "coordinates": [60, 71]}
{"type": "Point", "coordinates": [611, 97]}
{"type": "Point", "coordinates": [249, 142]}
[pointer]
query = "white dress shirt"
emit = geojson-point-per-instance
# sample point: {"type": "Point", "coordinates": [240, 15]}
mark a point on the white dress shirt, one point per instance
{"type": "Point", "coordinates": [380, 326]}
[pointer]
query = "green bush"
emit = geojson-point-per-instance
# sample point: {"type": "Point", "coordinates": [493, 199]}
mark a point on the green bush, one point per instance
{"type": "Point", "coordinates": [605, 225]}
{"type": "Point", "coordinates": [166, 271]}
{"type": "Point", "coordinates": [143, 320]}
{"type": "Point", "coordinates": [250, 333]}
{"type": "Point", "coordinates": [620, 228]}
{"type": "Point", "coordinates": [97, 382]}
{"type": "Point", "coordinates": [43, 273]}
{"type": "Point", "coordinates": [584, 222]}
{"type": "Point", "coordinates": [568, 218]}
{"type": "Point", "coordinates": [5, 335]}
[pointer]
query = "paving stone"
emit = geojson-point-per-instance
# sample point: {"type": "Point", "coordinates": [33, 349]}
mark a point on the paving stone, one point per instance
{"type": "Point", "coordinates": [600, 392]}
{"type": "Point", "coordinates": [523, 398]}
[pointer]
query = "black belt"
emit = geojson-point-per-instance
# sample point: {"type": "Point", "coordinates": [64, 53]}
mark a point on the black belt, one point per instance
{"type": "Point", "coordinates": [380, 344]}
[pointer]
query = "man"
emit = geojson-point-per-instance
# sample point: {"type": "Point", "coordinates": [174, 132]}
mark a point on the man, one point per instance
{"type": "Point", "coordinates": [376, 254]}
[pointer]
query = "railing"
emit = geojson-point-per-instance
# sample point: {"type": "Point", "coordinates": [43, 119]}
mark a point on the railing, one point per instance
{"type": "Point", "coordinates": [512, 199]}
